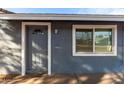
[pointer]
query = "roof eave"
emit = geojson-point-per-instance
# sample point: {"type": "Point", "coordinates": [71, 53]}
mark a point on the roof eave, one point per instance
{"type": "Point", "coordinates": [62, 17]}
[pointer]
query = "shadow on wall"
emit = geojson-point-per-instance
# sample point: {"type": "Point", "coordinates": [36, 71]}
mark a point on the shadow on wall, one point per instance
{"type": "Point", "coordinates": [64, 62]}
{"type": "Point", "coordinates": [85, 72]}
{"type": "Point", "coordinates": [10, 47]}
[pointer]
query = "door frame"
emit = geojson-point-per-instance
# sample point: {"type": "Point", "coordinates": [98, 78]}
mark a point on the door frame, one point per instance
{"type": "Point", "coordinates": [24, 45]}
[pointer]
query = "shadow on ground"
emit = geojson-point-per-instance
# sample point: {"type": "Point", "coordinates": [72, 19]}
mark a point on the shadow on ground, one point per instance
{"type": "Point", "coordinates": [63, 79]}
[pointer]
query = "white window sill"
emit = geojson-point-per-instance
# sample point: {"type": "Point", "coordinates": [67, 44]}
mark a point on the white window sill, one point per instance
{"type": "Point", "coordinates": [93, 54]}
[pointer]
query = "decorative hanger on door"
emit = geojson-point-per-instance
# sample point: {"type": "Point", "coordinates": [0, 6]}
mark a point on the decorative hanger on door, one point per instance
{"type": "Point", "coordinates": [38, 31]}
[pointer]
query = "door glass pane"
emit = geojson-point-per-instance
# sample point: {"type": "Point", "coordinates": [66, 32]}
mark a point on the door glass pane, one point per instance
{"type": "Point", "coordinates": [84, 40]}
{"type": "Point", "coordinates": [103, 40]}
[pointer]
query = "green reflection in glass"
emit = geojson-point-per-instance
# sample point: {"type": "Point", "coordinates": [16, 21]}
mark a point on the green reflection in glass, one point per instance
{"type": "Point", "coordinates": [103, 40]}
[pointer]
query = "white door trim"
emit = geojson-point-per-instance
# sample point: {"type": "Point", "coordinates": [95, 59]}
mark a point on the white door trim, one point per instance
{"type": "Point", "coordinates": [23, 36]}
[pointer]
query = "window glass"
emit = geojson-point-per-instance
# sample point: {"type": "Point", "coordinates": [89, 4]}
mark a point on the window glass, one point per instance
{"type": "Point", "coordinates": [84, 40]}
{"type": "Point", "coordinates": [103, 40]}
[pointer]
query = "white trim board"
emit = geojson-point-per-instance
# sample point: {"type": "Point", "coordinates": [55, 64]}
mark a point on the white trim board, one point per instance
{"type": "Point", "coordinates": [79, 17]}
{"type": "Point", "coordinates": [23, 35]}
{"type": "Point", "coordinates": [114, 40]}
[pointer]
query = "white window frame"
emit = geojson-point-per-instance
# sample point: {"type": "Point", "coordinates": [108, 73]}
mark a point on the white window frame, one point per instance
{"type": "Point", "coordinates": [114, 40]}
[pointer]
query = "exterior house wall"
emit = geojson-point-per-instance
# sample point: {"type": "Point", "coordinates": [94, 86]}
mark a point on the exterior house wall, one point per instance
{"type": "Point", "coordinates": [64, 62]}
{"type": "Point", "coordinates": [10, 47]}
{"type": "Point", "coordinates": [61, 49]}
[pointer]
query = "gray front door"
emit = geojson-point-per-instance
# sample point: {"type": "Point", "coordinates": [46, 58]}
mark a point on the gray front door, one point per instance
{"type": "Point", "coordinates": [37, 49]}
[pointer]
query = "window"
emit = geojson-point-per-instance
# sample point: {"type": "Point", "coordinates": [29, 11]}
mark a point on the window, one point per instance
{"type": "Point", "coordinates": [94, 40]}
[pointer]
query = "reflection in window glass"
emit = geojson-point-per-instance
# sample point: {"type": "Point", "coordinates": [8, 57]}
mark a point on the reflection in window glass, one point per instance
{"type": "Point", "coordinates": [84, 40]}
{"type": "Point", "coordinates": [103, 40]}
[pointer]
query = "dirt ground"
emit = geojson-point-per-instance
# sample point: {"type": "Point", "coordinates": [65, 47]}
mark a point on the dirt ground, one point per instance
{"type": "Point", "coordinates": [109, 78]}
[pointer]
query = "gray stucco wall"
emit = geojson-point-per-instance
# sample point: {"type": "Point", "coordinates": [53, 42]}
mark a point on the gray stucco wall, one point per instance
{"type": "Point", "coordinates": [64, 62]}
{"type": "Point", "coordinates": [61, 49]}
{"type": "Point", "coordinates": [10, 47]}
